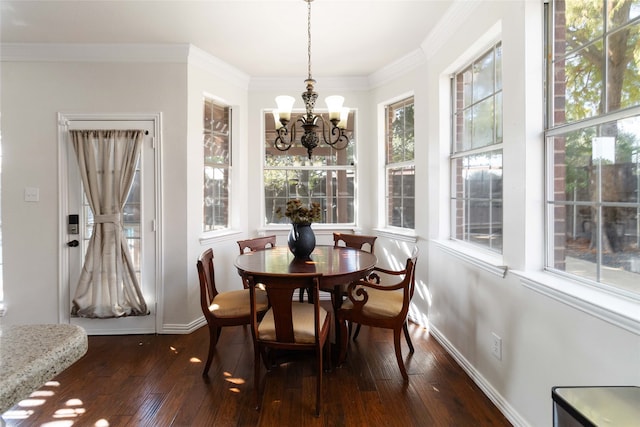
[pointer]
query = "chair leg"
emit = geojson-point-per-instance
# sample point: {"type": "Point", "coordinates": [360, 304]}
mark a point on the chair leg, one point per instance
{"type": "Point", "coordinates": [319, 380]}
{"type": "Point", "coordinates": [256, 374]}
{"type": "Point", "coordinates": [327, 355]}
{"type": "Point", "coordinates": [267, 359]}
{"type": "Point", "coordinates": [396, 343]}
{"type": "Point", "coordinates": [406, 335]}
{"type": "Point", "coordinates": [355, 335]}
{"type": "Point", "coordinates": [344, 341]}
{"type": "Point", "coordinates": [301, 295]}
{"type": "Point", "coordinates": [214, 334]}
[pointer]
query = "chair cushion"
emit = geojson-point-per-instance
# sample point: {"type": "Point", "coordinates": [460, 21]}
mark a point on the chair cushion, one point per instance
{"type": "Point", "coordinates": [237, 303]}
{"type": "Point", "coordinates": [380, 303]}
{"type": "Point", "coordinates": [303, 325]}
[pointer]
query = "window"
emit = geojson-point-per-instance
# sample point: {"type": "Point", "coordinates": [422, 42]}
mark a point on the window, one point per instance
{"type": "Point", "coordinates": [476, 154]}
{"type": "Point", "coordinates": [593, 142]}
{"type": "Point", "coordinates": [400, 164]}
{"type": "Point", "coordinates": [328, 178]}
{"type": "Point", "coordinates": [216, 139]}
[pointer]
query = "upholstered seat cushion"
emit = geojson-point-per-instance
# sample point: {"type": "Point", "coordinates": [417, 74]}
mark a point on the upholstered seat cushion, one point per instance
{"type": "Point", "coordinates": [380, 303]}
{"type": "Point", "coordinates": [237, 303]}
{"type": "Point", "coordinates": [303, 324]}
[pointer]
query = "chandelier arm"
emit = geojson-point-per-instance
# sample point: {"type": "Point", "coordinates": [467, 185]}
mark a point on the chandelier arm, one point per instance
{"type": "Point", "coordinates": [281, 142]}
{"type": "Point", "coordinates": [336, 135]}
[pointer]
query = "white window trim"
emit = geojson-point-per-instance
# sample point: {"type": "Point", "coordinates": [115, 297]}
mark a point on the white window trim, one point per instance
{"type": "Point", "coordinates": [603, 300]}
{"type": "Point", "coordinates": [607, 306]}
{"type": "Point", "coordinates": [206, 237]}
{"type": "Point", "coordinates": [397, 233]}
{"type": "Point", "coordinates": [476, 251]}
{"type": "Point", "coordinates": [384, 229]}
{"type": "Point", "coordinates": [477, 256]}
{"type": "Point", "coordinates": [339, 226]}
{"type": "Point", "coordinates": [211, 237]}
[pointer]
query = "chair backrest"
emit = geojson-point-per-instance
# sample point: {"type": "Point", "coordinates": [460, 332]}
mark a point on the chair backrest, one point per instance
{"type": "Point", "coordinates": [257, 243]}
{"type": "Point", "coordinates": [410, 278]}
{"type": "Point", "coordinates": [407, 284]}
{"type": "Point", "coordinates": [280, 289]}
{"type": "Point", "coordinates": [206, 274]}
{"type": "Point", "coordinates": [357, 241]}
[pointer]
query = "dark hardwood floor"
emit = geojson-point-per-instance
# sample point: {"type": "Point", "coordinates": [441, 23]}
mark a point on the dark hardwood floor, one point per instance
{"type": "Point", "coordinates": [155, 380]}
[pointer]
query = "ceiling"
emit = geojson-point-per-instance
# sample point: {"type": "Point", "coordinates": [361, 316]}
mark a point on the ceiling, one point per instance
{"type": "Point", "coordinates": [263, 38]}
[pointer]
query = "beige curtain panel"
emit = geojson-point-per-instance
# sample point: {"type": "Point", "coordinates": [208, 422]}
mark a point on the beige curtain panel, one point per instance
{"type": "Point", "coordinates": [108, 286]}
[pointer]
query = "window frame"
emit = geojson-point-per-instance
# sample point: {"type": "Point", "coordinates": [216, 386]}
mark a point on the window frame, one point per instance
{"type": "Point", "coordinates": [559, 126]}
{"type": "Point", "coordinates": [349, 171]}
{"type": "Point", "coordinates": [390, 166]}
{"type": "Point", "coordinates": [227, 166]}
{"type": "Point", "coordinates": [458, 153]}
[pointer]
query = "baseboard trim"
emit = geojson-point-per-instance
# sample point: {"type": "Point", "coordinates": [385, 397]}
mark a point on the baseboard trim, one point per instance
{"type": "Point", "coordinates": [501, 403]}
{"type": "Point", "coordinates": [181, 329]}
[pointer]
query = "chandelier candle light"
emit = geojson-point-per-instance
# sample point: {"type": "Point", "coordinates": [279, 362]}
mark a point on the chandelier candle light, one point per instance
{"type": "Point", "coordinates": [338, 114]}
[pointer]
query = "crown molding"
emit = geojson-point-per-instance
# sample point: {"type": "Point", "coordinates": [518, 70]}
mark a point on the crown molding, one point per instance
{"type": "Point", "coordinates": [94, 52]}
{"type": "Point", "coordinates": [123, 53]}
{"type": "Point", "coordinates": [459, 11]}
{"type": "Point", "coordinates": [398, 68]}
{"type": "Point", "coordinates": [217, 67]}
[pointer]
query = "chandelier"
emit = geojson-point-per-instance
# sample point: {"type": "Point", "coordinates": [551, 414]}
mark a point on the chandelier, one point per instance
{"type": "Point", "coordinates": [335, 137]}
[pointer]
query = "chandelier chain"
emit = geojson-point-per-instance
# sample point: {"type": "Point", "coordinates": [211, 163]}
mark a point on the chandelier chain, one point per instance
{"type": "Point", "coordinates": [309, 37]}
{"type": "Point", "coordinates": [336, 137]}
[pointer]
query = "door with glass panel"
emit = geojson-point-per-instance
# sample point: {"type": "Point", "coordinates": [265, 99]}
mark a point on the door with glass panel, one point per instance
{"type": "Point", "coordinates": [138, 221]}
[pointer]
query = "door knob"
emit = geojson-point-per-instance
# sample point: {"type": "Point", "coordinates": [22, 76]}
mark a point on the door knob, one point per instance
{"type": "Point", "coordinates": [73, 243]}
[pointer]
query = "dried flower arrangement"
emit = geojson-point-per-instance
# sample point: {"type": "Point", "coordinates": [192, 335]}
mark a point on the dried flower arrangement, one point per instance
{"type": "Point", "coordinates": [299, 214]}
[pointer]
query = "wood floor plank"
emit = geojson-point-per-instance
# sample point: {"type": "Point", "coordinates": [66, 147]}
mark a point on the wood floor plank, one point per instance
{"type": "Point", "coordinates": [156, 380]}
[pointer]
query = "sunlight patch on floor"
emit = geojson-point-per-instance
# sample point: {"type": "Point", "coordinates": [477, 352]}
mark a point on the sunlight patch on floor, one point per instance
{"type": "Point", "coordinates": [66, 423]}
{"type": "Point", "coordinates": [20, 414]}
{"type": "Point", "coordinates": [73, 408]}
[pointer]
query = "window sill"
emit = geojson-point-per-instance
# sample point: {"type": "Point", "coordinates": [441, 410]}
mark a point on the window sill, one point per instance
{"type": "Point", "coordinates": [405, 235]}
{"type": "Point", "coordinates": [317, 228]}
{"type": "Point", "coordinates": [607, 306]}
{"type": "Point", "coordinates": [489, 262]}
{"type": "Point", "coordinates": [219, 236]}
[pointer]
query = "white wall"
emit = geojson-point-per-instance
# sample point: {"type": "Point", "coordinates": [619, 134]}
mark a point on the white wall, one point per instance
{"type": "Point", "coordinates": [545, 342]}
{"type": "Point", "coordinates": [33, 93]}
{"type": "Point", "coordinates": [172, 83]}
{"type": "Point", "coordinates": [229, 87]}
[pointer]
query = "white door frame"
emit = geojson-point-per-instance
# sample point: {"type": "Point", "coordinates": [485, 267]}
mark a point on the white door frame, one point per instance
{"type": "Point", "coordinates": [64, 119]}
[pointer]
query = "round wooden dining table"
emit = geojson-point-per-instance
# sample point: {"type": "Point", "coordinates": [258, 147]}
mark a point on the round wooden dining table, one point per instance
{"type": "Point", "coordinates": [339, 266]}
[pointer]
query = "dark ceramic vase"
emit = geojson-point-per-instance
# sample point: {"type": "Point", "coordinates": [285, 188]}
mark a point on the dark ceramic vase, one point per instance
{"type": "Point", "coordinates": [302, 240]}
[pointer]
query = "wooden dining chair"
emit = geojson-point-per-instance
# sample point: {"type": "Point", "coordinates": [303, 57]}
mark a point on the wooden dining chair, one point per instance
{"type": "Point", "coordinates": [230, 308]}
{"type": "Point", "coordinates": [357, 241]}
{"type": "Point", "coordinates": [289, 325]}
{"type": "Point", "coordinates": [257, 243]}
{"type": "Point", "coordinates": [382, 306]}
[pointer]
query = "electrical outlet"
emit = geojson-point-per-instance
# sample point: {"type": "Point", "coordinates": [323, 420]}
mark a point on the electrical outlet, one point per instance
{"type": "Point", "coordinates": [496, 346]}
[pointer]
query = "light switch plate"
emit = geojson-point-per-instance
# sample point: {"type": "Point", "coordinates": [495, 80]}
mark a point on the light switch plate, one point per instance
{"type": "Point", "coordinates": [31, 194]}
